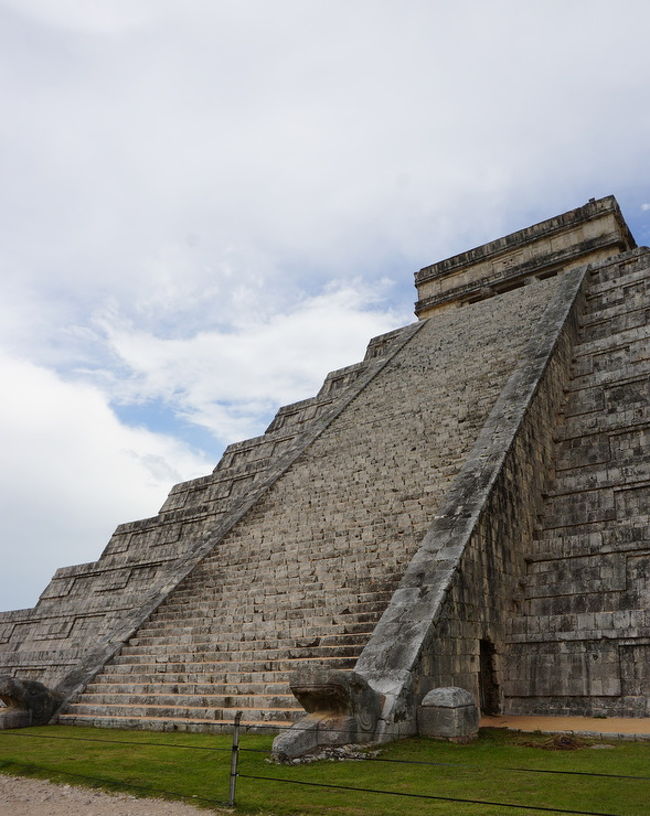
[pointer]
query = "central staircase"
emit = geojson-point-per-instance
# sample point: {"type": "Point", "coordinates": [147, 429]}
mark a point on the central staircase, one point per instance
{"type": "Point", "coordinates": [215, 648]}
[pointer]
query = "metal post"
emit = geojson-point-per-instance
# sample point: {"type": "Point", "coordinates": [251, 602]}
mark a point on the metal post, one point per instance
{"type": "Point", "coordinates": [234, 759]}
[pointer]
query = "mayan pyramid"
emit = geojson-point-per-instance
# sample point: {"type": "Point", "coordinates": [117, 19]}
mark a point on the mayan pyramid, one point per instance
{"type": "Point", "coordinates": [467, 506]}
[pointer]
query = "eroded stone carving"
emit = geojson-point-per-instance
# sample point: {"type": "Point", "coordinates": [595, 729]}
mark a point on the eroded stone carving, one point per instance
{"type": "Point", "coordinates": [27, 702]}
{"type": "Point", "coordinates": [342, 708]}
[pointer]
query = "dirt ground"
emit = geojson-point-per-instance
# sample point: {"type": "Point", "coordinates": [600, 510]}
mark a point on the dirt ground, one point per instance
{"type": "Point", "coordinates": [607, 725]}
{"type": "Point", "coordinates": [37, 797]}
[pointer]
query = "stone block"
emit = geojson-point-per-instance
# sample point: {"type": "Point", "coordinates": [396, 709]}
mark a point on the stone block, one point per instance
{"type": "Point", "coordinates": [448, 714]}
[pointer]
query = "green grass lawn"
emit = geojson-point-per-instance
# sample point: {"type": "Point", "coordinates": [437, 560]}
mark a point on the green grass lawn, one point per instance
{"type": "Point", "coordinates": [478, 771]}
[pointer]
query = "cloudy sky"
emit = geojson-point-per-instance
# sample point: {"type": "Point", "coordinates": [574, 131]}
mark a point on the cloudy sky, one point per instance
{"type": "Point", "coordinates": [207, 205]}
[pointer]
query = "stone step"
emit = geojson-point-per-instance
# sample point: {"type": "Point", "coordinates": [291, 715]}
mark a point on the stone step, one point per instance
{"type": "Point", "coordinates": [284, 593]}
{"type": "Point", "coordinates": [190, 689]}
{"type": "Point", "coordinates": [603, 621]}
{"type": "Point", "coordinates": [165, 614]}
{"type": "Point", "coordinates": [325, 572]}
{"type": "Point", "coordinates": [619, 358]}
{"type": "Point", "coordinates": [256, 629]}
{"type": "Point", "coordinates": [603, 474]}
{"type": "Point", "coordinates": [213, 654]}
{"type": "Point", "coordinates": [611, 323]}
{"type": "Point", "coordinates": [202, 674]}
{"type": "Point", "coordinates": [181, 712]}
{"type": "Point", "coordinates": [261, 664]}
{"type": "Point", "coordinates": [587, 635]}
{"type": "Point", "coordinates": [580, 528]}
{"type": "Point", "coordinates": [295, 600]}
{"type": "Point", "coordinates": [193, 725]}
{"type": "Point", "coordinates": [249, 631]}
{"type": "Point", "coordinates": [615, 276]}
{"type": "Point", "coordinates": [591, 601]}
{"type": "Point", "coordinates": [181, 700]}
{"type": "Point", "coordinates": [204, 581]}
{"type": "Point", "coordinates": [627, 417]}
{"type": "Point", "coordinates": [615, 338]}
{"type": "Point", "coordinates": [324, 575]}
{"type": "Point", "coordinates": [199, 641]}
{"type": "Point", "coordinates": [617, 375]}
{"type": "Point", "coordinates": [632, 292]}
{"type": "Point", "coordinates": [236, 620]}
{"type": "Point", "coordinates": [619, 538]}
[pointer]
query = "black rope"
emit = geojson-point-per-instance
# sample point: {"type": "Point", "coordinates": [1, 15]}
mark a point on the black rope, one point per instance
{"type": "Point", "coordinates": [430, 796]}
{"type": "Point", "coordinates": [110, 782]}
{"type": "Point", "coordinates": [115, 742]}
{"type": "Point", "coordinates": [358, 758]}
{"type": "Point", "coordinates": [500, 768]}
{"type": "Point", "coordinates": [104, 781]}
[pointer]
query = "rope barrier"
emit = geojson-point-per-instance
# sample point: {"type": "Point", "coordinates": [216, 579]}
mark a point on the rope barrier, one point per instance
{"type": "Point", "coordinates": [235, 773]}
{"type": "Point", "coordinates": [115, 742]}
{"type": "Point", "coordinates": [501, 768]}
{"type": "Point", "coordinates": [359, 759]}
{"type": "Point", "coordinates": [429, 796]}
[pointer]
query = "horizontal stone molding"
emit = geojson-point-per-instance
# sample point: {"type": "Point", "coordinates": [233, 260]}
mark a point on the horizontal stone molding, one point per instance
{"type": "Point", "coordinates": [544, 229]}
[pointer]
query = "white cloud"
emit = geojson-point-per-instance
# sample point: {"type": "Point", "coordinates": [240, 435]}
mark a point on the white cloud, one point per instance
{"type": "Point", "coordinates": [645, 207]}
{"type": "Point", "coordinates": [89, 16]}
{"type": "Point", "coordinates": [229, 381]}
{"type": "Point", "coordinates": [70, 473]}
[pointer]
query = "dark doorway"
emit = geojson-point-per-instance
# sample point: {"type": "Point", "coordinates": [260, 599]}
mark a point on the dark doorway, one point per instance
{"type": "Point", "coordinates": [488, 686]}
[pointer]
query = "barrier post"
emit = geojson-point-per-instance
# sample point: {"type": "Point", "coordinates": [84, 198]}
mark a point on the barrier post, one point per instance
{"type": "Point", "coordinates": [234, 759]}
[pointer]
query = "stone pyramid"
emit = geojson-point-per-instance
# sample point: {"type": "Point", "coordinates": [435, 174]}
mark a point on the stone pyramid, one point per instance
{"type": "Point", "coordinates": [468, 506]}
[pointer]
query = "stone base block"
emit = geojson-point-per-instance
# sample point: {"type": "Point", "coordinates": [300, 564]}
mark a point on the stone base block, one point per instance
{"type": "Point", "coordinates": [448, 714]}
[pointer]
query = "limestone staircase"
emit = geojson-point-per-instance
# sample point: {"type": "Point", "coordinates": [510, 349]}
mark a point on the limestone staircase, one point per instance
{"type": "Point", "coordinates": [211, 650]}
{"type": "Point", "coordinates": [583, 632]}
{"type": "Point", "coordinates": [229, 635]}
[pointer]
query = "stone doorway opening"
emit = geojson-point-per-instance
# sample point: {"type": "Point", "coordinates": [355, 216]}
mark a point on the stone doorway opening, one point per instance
{"type": "Point", "coordinates": [488, 685]}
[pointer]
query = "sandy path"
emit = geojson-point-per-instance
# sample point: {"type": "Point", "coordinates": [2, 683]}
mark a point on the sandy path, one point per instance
{"type": "Point", "coordinates": [609, 725]}
{"type": "Point", "coordinates": [20, 796]}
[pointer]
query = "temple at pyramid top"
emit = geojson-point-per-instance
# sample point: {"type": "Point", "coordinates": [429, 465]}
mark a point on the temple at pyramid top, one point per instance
{"type": "Point", "coordinates": [593, 232]}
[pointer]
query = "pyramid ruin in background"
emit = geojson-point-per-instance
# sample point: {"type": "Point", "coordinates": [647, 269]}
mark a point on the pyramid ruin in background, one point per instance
{"type": "Point", "coordinates": [468, 506]}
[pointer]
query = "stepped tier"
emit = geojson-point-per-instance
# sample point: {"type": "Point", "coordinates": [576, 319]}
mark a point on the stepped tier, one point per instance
{"type": "Point", "coordinates": [580, 642]}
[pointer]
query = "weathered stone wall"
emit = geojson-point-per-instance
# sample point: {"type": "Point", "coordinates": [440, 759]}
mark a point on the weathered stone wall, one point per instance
{"type": "Point", "coordinates": [579, 640]}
